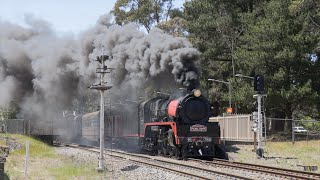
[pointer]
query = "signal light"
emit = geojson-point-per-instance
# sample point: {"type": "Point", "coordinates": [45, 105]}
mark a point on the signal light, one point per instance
{"type": "Point", "coordinates": [229, 110]}
{"type": "Point", "coordinates": [258, 83]}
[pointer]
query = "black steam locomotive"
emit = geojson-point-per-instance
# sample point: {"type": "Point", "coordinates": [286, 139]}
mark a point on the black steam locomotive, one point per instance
{"type": "Point", "coordinates": [175, 125]}
{"type": "Point", "coordinates": [178, 125]}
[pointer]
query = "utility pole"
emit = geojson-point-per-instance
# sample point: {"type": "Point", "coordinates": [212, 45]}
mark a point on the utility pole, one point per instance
{"type": "Point", "coordinates": [101, 87]}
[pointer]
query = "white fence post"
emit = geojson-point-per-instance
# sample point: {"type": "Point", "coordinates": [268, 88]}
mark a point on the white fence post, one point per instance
{"type": "Point", "coordinates": [237, 119]}
{"type": "Point", "coordinates": [26, 162]}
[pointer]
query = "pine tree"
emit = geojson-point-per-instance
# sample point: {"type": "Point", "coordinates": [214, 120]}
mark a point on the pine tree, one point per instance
{"type": "Point", "coordinates": [274, 44]}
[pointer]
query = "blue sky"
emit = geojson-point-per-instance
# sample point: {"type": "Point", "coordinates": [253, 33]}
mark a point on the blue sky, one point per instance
{"type": "Point", "coordinates": [65, 16]}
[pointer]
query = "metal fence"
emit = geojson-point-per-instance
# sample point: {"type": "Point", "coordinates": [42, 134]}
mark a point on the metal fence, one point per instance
{"type": "Point", "coordinates": [239, 128]}
{"type": "Point", "coordinates": [277, 129]}
{"type": "Point", "coordinates": [233, 127]}
{"type": "Point", "coordinates": [14, 126]}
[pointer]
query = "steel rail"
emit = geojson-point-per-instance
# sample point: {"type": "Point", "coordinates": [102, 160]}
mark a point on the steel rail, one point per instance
{"type": "Point", "coordinates": [93, 149]}
{"type": "Point", "coordinates": [181, 164]}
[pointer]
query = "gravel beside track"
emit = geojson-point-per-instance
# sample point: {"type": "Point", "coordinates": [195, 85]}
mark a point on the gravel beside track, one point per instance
{"type": "Point", "coordinates": [118, 168]}
{"type": "Point", "coordinates": [243, 173]}
{"type": "Point", "coordinates": [181, 167]}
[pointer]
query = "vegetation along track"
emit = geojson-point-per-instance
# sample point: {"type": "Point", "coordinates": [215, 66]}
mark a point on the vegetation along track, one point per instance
{"type": "Point", "coordinates": [191, 171]}
{"type": "Point", "coordinates": [280, 172]}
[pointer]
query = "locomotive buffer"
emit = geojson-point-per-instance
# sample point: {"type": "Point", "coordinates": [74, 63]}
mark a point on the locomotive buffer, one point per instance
{"type": "Point", "coordinates": [102, 70]}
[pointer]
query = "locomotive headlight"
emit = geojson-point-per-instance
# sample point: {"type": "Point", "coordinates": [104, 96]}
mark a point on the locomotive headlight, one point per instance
{"type": "Point", "coordinates": [196, 92]}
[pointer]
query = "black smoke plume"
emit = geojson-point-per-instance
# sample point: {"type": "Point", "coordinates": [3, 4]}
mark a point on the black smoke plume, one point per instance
{"type": "Point", "coordinates": [45, 73]}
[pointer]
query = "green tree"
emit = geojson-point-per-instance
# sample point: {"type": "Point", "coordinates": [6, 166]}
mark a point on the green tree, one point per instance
{"type": "Point", "coordinates": [175, 25]}
{"type": "Point", "coordinates": [275, 42]}
{"type": "Point", "coordinates": [147, 13]}
{"type": "Point", "coordinates": [9, 111]}
{"type": "Point", "coordinates": [311, 12]}
{"type": "Point", "coordinates": [214, 27]}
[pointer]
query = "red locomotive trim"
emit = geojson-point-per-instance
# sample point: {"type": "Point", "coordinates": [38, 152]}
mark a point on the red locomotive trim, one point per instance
{"type": "Point", "coordinates": [172, 108]}
{"type": "Point", "coordinates": [172, 124]}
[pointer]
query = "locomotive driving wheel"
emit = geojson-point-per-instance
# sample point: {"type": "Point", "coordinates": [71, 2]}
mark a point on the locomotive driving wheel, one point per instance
{"type": "Point", "coordinates": [164, 148]}
{"type": "Point", "coordinates": [176, 153]}
{"type": "Point", "coordinates": [162, 143]}
{"type": "Point", "coordinates": [174, 150]}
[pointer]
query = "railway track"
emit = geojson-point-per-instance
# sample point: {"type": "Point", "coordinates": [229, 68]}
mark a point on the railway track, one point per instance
{"type": "Point", "coordinates": [280, 172]}
{"type": "Point", "coordinates": [202, 169]}
{"type": "Point", "coordinates": [187, 170]}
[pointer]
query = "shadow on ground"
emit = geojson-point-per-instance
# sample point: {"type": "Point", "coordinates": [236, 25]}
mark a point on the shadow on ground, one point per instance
{"type": "Point", "coordinates": [232, 148]}
{"type": "Point", "coordinates": [279, 157]}
{"type": "Point", "coordinates": [130, 168]}
{"type": "Point", "coordinates": [6, 177]}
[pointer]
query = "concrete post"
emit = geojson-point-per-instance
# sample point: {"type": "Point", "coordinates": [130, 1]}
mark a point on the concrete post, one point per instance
{"type": "Point", "coordinates": [101, 158]}
{"type": "Point", "coordinates": [259, 150]}
{"type": "Point", "coordinates": [26, 160]}
{"type": "Point", "coordinates": [259, 133]}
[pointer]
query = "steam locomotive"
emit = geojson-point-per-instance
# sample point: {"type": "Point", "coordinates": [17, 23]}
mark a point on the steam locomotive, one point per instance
{"type": "Point", "coordinates": [171, 125]}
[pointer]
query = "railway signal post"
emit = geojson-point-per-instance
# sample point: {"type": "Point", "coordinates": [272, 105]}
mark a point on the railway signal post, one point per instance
{"type": "Point", "coordinates": [259, 88]}
{"type": "Point", "coordinates": [102, 70]}
{"type": "Point", "coordinates": [259, 128]}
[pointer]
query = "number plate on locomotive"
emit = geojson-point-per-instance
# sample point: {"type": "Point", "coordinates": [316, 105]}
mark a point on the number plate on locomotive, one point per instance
{"type": "Point", "coordinates": [198, 128]}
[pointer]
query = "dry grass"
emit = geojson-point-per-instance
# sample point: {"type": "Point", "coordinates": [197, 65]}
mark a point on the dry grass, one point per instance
{"type": "Point", "coordinates": [44, 163]}
{"type": "Point", "coordinates": [282, 154]}
{"type": "Point", "coordinates": [306, 152]}
{"type": "Point", "coordinates": [2, 143]}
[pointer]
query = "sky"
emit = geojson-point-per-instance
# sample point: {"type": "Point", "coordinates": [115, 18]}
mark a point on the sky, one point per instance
{"type": "Point", "coordinates": [65, 16]}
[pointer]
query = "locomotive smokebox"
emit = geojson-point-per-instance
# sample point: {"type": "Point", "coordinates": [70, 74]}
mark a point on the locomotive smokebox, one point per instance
{"type": "Point", "coordinates": [192, 108]}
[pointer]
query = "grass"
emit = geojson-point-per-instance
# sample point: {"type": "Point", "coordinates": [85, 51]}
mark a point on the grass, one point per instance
{"type": "Point", "coordinates": [2, 143]}
{"type": "Point", "coordinates": [307, 152]}
{"type": "Point", "coordinates": [45, 163]}
{"type": "Point", "coordinates": [70, 170]}
{"type": "Point", "coordinates": [37, 149]}
{"type": "Point", "coordinates": [283, 154]}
